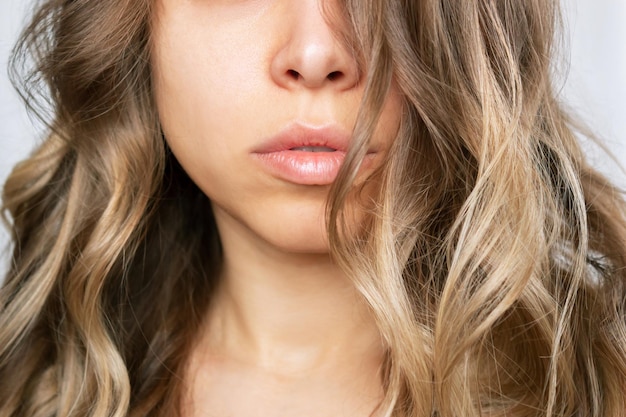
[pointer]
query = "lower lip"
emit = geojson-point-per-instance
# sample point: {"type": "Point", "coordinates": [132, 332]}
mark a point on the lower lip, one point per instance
{"type": "Point", "coordinates": [301, 167]}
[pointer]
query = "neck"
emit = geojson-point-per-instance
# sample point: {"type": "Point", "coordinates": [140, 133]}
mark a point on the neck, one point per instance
{"type": "Point", "coordinates": [288, 311]}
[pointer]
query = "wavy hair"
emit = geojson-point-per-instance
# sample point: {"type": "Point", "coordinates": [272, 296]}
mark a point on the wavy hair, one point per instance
{"type": "Point", "coordinates": [493, 257]}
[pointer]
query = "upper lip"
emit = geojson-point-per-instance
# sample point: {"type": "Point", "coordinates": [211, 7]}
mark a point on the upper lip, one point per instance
{"type": "Point", "coordinates": [297, 134]}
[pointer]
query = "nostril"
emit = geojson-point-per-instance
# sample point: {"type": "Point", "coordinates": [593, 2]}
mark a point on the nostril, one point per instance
{"type": "Point", "coordinates": [335, 75]}
{"type": "Point", "coordinates": [297, 76]}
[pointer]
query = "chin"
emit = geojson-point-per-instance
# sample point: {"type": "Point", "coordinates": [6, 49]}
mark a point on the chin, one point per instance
{"type": "Point", "coordinates": [288, 226]}
{"type": "Point", "coordinates": [295, 232]}
{"type": "Point", "coordinates": [300, 242]}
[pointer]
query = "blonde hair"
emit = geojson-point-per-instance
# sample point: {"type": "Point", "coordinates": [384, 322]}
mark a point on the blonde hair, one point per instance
{"type": "Point", "coordinates": [493, 257]}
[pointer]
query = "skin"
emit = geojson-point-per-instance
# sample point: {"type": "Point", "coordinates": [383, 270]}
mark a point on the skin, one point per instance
{"type": "Point", "coordinates": [287, 333]}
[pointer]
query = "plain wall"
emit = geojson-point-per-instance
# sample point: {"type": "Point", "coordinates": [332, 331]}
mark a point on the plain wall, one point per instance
{"type": "Point", "coordinates": [595, 87]}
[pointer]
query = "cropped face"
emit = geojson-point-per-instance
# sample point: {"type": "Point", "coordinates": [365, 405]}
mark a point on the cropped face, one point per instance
{"type": "Point", "coordinates": [257, 100]}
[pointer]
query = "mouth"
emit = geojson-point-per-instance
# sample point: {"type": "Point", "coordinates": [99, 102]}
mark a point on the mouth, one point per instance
{"type": "Point", "coordinates": [307, 138]}
{"type": "Point", "coordinates": [313, 149]}
{"type": "Point", "coordinates": [305, 155]}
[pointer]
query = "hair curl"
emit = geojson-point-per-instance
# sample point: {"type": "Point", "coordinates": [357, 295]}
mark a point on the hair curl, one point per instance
{"type": "Point", "coordinates": [494, 257]}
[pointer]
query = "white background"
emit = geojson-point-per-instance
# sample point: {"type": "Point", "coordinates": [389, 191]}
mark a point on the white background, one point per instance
{"type": "Point", "coordinates": [594, 86]}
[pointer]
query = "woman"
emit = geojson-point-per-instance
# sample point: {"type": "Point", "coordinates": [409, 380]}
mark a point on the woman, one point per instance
{"type": "Point", "coordinates": [308, 208]}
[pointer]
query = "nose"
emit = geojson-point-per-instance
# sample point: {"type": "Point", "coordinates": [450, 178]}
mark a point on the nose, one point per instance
{"type": "Point", "coordinates": [311, 56]}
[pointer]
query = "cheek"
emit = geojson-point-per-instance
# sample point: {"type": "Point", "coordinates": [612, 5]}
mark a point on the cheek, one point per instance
{"type": "Point", "coordinates": [193, 98]}
{"type": "Point", "coordinates": [391, 117]}
{"type": "Point", "coordinates": [203, 72]}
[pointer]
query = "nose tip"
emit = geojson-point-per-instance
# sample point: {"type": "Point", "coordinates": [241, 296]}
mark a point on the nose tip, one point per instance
{"type": "Point", "coordinates": [312, 57]}
{"type": "Point", "coordinates": [316, 66]}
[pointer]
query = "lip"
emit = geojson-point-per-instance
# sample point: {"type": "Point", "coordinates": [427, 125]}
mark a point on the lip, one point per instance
{"type": "Point", "coordinates": [278, 156]}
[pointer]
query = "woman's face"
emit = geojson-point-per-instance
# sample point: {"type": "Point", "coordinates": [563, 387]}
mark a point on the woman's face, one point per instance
{"type": "Point", "coordinates": [246, 90]}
